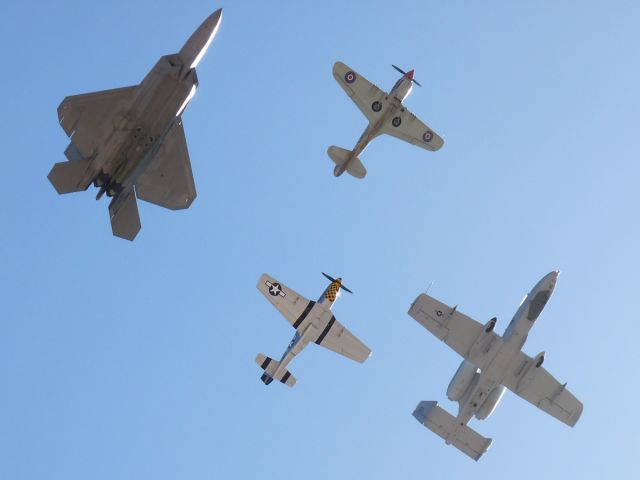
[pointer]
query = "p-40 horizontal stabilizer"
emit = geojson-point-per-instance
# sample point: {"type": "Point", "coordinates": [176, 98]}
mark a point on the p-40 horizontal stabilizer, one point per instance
{"type": "Point", "coordinates": [340, 157]}
{"type": "Point", "coordinates": [125, 220]}
{"type": "Point", "coordinates": [447, 427]}
{"type": "Point", "coordinates": [270, 367]}
{"type": "Point", "coordinates": [68, 177]}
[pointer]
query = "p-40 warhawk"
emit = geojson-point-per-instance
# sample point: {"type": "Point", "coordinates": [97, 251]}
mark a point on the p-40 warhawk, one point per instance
{"type": "Point", "coordinates": [313, 322]}
{"type": "Point", "coordinates": [129, 142]}
{"type": "Point", "coordinates": [490, 364]}
{"type": "Point", "coordinates": [386, 114]}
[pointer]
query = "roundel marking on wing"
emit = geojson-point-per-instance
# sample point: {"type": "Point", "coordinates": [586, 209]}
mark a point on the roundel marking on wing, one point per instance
{"type": "Point", "coordinates": [350, 77]}
{"type": "Point", "coordinates": [427, 136]}
{"type": "Point", "coordinates": [275, 289]}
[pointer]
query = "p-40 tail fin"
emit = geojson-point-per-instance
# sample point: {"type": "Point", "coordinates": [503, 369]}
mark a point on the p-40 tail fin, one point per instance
{"type": "Point", "coordinates": [342, 158]}
{"type": "Point", "coordinates": [447, 427]}
{"type": "Point", "coordinates": [270, 367]}
{"type": "Point", "coordinates": [125, 220]}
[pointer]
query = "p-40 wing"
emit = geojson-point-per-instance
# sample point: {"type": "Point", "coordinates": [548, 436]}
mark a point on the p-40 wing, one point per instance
{"type": "Point", "coordinates": [538, 387]}
{"type": "Point", "coordinates": [406, 126]}
{"type": "Point", "coordinates": [168, 181]}
{"type": "Point", "coordinates": [363, 93]}
{"type": "Point", "coordinates": [463, 334]}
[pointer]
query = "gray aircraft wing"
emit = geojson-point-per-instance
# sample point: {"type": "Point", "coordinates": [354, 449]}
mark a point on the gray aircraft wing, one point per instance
{"type": "Point", "coordinates": [293, 306]}
{"type": "Point", "coordinates": [337, 338]}
{"type": "Point", "coordinates": [406, 126]}
{"type": "Point", "coordinates": [168, 181]}
{"type": "Point", "coordinates": [89, 118]}
{"type": "Point", "coordinates": [462, 333]}
{"type": "Point", "coordinates": [363, 93]}
{"type": "Point", "coordinates": [538, 387]}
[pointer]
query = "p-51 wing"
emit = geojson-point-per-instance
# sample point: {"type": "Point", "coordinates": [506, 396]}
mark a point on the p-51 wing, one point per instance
{"type": "Point", "coordinates": [406, 126]}
{"type": "Point", "coordinates": [293, 306]}
{"type": "Point", "coordinates": [342, 341]}
{"type": "Point", "coordinates": [463, 334]}
{"type": "Point", "coordinates": [363, 93]}
{"type": "Point", "coordinates": [538, 387]}
{"type": "Point", "coordinates": [168, 181]}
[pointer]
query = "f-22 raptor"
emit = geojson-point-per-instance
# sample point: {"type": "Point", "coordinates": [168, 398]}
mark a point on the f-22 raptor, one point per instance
{"type": "Point", "coordinates": [129, 142]}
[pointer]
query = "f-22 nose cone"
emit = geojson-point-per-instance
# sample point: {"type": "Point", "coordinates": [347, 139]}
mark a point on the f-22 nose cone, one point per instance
{"type": "Point", "coordinates": [195, 48]}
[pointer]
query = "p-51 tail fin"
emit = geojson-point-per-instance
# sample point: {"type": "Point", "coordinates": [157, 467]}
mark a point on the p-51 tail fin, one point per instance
{"type": "Point", "coordinates": [270, 367]}
{"type": "Point", "coordinates": [342, 158]}
{"type": "Point", "coordinates": [447, 427]}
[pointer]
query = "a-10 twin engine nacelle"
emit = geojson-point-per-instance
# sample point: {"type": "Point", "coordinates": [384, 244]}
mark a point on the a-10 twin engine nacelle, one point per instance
{"type": "Point", "coordinates": [462, 380]}
{"type": "Point", "coordinates": [491, 402]}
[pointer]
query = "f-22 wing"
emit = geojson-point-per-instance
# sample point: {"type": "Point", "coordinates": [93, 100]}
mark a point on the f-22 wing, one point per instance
{"type": "Point", "coordinates": [302, 313]}
{"type": "Point", "coordinates": [168, 180]}
{"type": "Point", "coordinates": [470, 340]}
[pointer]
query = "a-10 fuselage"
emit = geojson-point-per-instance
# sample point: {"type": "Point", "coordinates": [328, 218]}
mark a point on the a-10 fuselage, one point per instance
{"type": "Point", "coordinates": [501, 354]}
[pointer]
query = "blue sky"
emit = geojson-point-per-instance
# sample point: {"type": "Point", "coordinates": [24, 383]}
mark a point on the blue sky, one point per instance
{"type": "Point", "coordinates": [135, 360]}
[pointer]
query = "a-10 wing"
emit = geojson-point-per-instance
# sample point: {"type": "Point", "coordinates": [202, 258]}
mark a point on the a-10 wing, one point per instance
{"type": "Point", "coordinates": [538, 387]}
{"type": "Point", "coordinates": [463, 334]}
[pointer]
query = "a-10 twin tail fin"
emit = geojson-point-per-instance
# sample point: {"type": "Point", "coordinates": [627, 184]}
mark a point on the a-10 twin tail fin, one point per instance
{"type": "Point", "coordinates": [272, 372]}
{"type": "Point", "coordinates": [448, 428]}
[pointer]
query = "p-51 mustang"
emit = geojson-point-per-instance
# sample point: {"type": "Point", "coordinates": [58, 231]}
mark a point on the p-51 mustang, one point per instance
{"type": "Point", "coordinates": [490, 364]}
{"type": "Point", "coordinates": [313, 322]}
{"type": "Point", "coordinates": [386, 114]}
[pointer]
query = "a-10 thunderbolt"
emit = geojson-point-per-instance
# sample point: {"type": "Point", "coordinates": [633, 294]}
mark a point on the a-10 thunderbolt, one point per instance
{"type": "Point", "coordinates": [491, 364]}
{"type": "Point", "coordinates": [386, 114]}
{"type": "Point", "coordinates": [129, 142]}
{"type": "Point", "coordinates": [313, 322]}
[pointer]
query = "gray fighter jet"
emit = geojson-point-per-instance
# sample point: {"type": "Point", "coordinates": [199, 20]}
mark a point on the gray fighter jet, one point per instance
{"type": "Point", "coordinates": [129, 142]}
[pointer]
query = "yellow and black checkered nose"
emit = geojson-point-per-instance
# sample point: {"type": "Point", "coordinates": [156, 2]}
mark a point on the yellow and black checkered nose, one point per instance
{"type": "Point", "coordinates": [332, 291]}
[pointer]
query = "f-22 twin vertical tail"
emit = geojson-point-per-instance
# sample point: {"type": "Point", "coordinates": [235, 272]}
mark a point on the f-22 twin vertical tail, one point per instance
{"type": "Point", "coordinates": [129, 142]}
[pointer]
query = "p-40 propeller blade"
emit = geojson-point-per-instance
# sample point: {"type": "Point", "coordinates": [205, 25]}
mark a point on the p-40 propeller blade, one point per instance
{"type": "Point", "coordinates": [405, 73]}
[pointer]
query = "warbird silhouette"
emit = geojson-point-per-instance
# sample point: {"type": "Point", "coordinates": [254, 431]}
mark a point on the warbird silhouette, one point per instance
{"type": "Point", "coordinates": [129, 142]}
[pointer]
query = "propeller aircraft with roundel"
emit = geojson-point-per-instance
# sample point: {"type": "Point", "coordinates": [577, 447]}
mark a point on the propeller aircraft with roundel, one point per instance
{"type": "Point", "coordinates": [386, 114]}
{"type": "Point", "coordinates": [312, 321]}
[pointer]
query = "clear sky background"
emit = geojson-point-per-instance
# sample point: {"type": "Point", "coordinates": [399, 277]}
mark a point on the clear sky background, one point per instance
{"type": "Point", "coordinates": [135, 360]}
